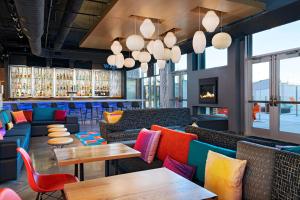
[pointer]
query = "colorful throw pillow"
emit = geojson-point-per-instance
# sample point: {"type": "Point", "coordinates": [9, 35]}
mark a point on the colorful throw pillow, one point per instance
{"type": "Point", "coordinates": [60, 115]}
{"type": "Point", "coordinates": [5, 116]}
{"type": "Point", "coordinates": [195, 125]}
{"type": "Point", "coordinates": [146, 143]}
{"type": "Point", "coordinates": [28, 115]}
{"type": "Point", "coordinates": [112, 117]}
{"type": "Point", "coordinates": [43, 114]}
{"type": "Point", "coordinates": [2, 132]}
{"type": "Point", "coordinates": [9, 126]}
{"type": "Point", "coordinates": [19, 117]}
{"type": "Point", "coordinates": [224, 176]}
{"type": "Point", "coordinates": [179, 168]}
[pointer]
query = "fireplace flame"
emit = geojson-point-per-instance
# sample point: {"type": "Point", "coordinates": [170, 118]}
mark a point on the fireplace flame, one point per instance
{"type": "Point", "coordinates": [207, 95]}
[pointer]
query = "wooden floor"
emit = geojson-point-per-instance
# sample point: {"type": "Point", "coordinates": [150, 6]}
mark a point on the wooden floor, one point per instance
{"type": "Point", "coordinates": [40, 154]}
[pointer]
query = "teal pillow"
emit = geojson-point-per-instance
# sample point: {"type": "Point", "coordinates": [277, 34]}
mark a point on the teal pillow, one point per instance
{"type": "Point", "coordinates": [295, 149]}
{"type": "Point", "coordinates": [5, 117]}
{"type": "Point", "coordinates": [198, 155]}
{"type": "Point", "coordinates": [43, 114]}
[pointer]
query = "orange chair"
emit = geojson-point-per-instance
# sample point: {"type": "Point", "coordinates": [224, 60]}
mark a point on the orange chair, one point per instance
{"type": "Point", "coordinates": [44, 184]}
{"type": "Point", "coordinates": [8, 194]}
{"type": "Point", "coordinates": [255, 109]}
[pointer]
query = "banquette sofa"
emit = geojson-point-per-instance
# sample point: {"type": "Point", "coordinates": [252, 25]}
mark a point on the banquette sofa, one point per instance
{"type": "Point", "coordinates": [19, 136]}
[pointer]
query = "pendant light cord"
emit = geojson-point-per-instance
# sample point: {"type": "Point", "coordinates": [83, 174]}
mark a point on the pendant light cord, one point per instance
{"type": "Point", "coordinates": [199, 13]}
{"type": "Point", "coordinates": [221, 21]}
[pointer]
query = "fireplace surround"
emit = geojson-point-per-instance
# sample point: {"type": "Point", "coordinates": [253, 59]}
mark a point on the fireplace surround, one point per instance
{"type": "Point", "coordinates": [208, 91]}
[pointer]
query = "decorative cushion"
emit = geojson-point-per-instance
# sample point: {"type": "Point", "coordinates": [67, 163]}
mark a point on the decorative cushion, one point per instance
{"type": "Point", "coordinates": [294, 149]}
{"type": "Point", "coordinates": [28, 115]}
{"type": "Point", "coordinates": [112, 117]}
{"type": "Point", "coordinates": [1, 125]}
{"type": "Point", "coordinates": [179, 168]}
{"type": "Point", "coordinates": [9, 126]}
{"type": "Point", "coordinates": [260, 165]}
{"type": "Point", "coordinates": [195, 125]}
{"type": "Point", "coordinates": [224, 175]}
{"type": "Point", "coordinates": [60, 115]}
{"type": "Point", "coordinates": [43, 114]}
{"type": "Point", "coordinates": [19, 117]}
{"type": "Point", "coordinates": [198, 155]}
{"type": "Point", "coordinates": [146, 143]}
{"type": "Point", "coordinates": [5, 116]}
{"type": "Point", "coordinates": [173, 143]}
{"type": "Point", "coordinates": [2, 132]}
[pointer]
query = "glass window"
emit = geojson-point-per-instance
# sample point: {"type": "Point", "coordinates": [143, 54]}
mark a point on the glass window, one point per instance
{"type": "Point", "coordinates": [131, 88]}
{"type": "Point", "coordinates": [182, 65]}
{"type": "Point", "coordinates": [215, 57]}
{"type": "Point", "coordinates": [276, 39]}
{"type": "Point", "coordinates": [156, 70]}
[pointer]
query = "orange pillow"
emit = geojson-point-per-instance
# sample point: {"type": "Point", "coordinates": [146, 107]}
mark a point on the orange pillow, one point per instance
{"type": "Point", "coordinates": [19, 117]}
{"type": "Point", "coordinates": [173, 143]}
{"type": "Point", "coordinates": [112, 117]}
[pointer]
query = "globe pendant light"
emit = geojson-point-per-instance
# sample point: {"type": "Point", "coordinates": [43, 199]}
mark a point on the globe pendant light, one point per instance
{"type": "Point", "coordinates": [129, 62]}
{"type": "Point", "coordinates": [144, 67]}
{"type": "Point", "coordinates": [167, 54]}
{"type": "Point", "coordinates": [144, 57]}
{"type": "Point", "coordinates": [176, 54]}
{"type": "Point", "coordinates": [210, 21]}
{"type": "Point", "coordinates": [150, 47]}
{"type": "Point", "coordinates": [199, 42]}
{"type": "Point", "coordinates": [111, 60]}
{"type": "Point", "coordinates": [116, 47]}
{"type": "Point", "coordinates": [119, 60]}
{"type": "Point", "coordinates": [158, 49]}
{"type": "Point", "coordinates": [147, 28]}
{"type": "Point", "coordinates": [161, 64]}
{"type": "Point", "coordinates": [135, 55]}
{"type": "Point", "coordinates": [221, 40]}
{"type": "Point", "coordinates": [170, 39]}
{"type": "Point", "coordinates": [135, 42]}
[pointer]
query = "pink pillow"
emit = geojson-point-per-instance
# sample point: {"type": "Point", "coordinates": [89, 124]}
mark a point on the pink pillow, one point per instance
{"type": "Point", "coordinates": [60, 115]}
{"type": "Point", "coordinates": [19, 117]}
{"type": "Point", "coordinates": [146, 143]}
{"type": "Point", "coordinates": [179, 168]}
{"type": "Point", "coordinates": [28, 115]}
{"type": "Point", "coordinates": [2, 133]}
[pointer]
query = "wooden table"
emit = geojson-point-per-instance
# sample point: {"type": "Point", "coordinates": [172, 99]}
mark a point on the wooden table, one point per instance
{"type": "Point", "coordinates": [84, 154]}
{"type": "Point", "coordinates": [155, 184]}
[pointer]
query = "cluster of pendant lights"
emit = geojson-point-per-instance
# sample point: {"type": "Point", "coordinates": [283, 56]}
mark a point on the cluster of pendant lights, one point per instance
{"type": "Point", "coordinates": [164, 50]}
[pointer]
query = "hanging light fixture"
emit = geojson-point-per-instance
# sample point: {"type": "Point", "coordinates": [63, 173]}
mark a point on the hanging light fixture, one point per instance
{"type": "Point", "coordinates": [210, 21]}
{"type": "Point", "coordinates": [161, 64]}
{"type": "Point", "coordinates": [147, 28]}
{"type": "Point", "coordinates": [150, 46]}
{"type": "Point", "coordinates": [135, 55]}
{"type": "Point", "coordinates": [129, 62]}
{"type": "Point", "coordinates": [111, 60]}
{"type": "Point", "coordinates": [158, 49]}
{"type": "Point", "coordinates": [144, 57]}
{"type": "Point", "coordinates": [135, 42]}
{"type": "Point", "coordinates": [199, 39]}
{"type": "Point", "coordinates": [167, 54]}
{"type": "Point", "coordinates": [170, 39]}
{"type": "Point", "coordinates": [119, 60]}
{"type": "Point", "coordinates": [116, 47]}
{"type": "Point", "coordinates": [221, 40]}
{"type": "Point", "coordinates": [176, 54]}
{"type": "Point", "coordinates": [144, 67]}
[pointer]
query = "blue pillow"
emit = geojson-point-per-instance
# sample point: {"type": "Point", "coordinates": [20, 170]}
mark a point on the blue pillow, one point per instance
{"type": "Point", "coordinates": [5, 117]}
{"type": "Point", "coordinates": [43, 114]}
{"type": "Point", "coordinates": [294, 149]}
{"type": "Point", "coordinates": [198, 155]}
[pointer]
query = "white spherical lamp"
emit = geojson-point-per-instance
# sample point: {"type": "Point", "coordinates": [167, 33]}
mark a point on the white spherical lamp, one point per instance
{"type": "Point", "coordinates": [199, 42]}
{"type": "Point", "coordinates": [150, 46]}
{"type": "Point", "coordinates": [167, 54]}
{"type": "Point", "coordinates": [135, 55]}
{"type": "Point", "coordinates": [221, 40]}
{"type": "Point", "coordinates": [170, 39]}
{"type": "Point", "coordinates": [135, 42]}
{"type": "Point", "coordinates": [111, 60]}
{"type": "Point", "coordinates": [119, 60]}
{"type": "Point", "coordinates": [176, 54]}
{"type": "Point", "coordinates": [158, 49]}
{"type": "Point", "coordinates": [147, 28]}
{"type": "Point", "coordinates": [144, 67]}
{"type": "Point", "coordinates": [210, 21]}
{"type": "Point", "coordinates": [116, 47]}
{"type": "Point", "coordinates": [129, 62]}
{"type": "Point", "coordinates": [144, 57]}
{"type": "Point", "coordinates": [161, 64]}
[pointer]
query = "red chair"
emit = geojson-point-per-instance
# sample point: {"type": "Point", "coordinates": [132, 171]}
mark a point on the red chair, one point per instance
{"type": "Point", "coordinates": [44, 184]}
{"type": "Point", "coordinates": [8, 194]}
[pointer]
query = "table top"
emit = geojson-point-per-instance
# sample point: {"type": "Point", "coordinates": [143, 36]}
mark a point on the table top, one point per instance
{"type": "Point", "coordinates": [84, 154]}
{"type": "Point", "coordinates": [155, 184]}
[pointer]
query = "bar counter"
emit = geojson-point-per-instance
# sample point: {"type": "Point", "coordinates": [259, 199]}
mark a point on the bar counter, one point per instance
{"type": "Point", "coordinates": [82, 100]}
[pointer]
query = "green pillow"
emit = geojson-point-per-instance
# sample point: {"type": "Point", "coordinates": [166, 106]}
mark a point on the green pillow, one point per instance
{"type": "Point", "coordinates": [295, 149]}
{"type": "Point", "coordinates": [43, 114]}
{"type": "Point", "coordinates": [198, 155]}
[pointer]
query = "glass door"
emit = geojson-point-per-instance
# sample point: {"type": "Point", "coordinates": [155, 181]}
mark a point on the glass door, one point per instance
{"type": "Point", "coordinates": [179, 90]}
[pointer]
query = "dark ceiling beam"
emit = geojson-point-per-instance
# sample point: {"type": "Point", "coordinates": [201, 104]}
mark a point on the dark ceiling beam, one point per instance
{"type": "Point", "coordinates": [97, 1]}
{"type": "Point", "coordinates": [80, 13]}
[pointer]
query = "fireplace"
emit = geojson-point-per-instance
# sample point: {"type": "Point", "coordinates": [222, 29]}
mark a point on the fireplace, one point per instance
{"type": "Point", "coordinates": [208, 91]}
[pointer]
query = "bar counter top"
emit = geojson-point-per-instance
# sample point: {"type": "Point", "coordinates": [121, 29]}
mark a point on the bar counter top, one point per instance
{"type": "Point", "coordinates": [69, 100]}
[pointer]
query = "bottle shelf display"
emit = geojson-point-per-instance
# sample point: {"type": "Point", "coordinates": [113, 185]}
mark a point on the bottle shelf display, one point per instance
{"type": "Point", "coordinates": [45, 82]}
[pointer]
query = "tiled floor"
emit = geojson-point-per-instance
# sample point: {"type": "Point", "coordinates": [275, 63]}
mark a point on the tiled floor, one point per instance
{"type": "Point", "coordinates": [40, 154]}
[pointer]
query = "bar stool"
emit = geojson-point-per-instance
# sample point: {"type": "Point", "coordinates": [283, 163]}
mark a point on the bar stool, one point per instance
{"type": "Point", "coordinates": [72, 108]}
{"type": "Point", "coordinates": [89, 107]}
{"type": "Point", "coordinates": [120, 105]}
{"type": "Point", "coordinates": [34, 105]}
{"type": "Point", "coordinates": [14, 107]}
{"type": "Point", "coordinates": [54, 105]}
{"type": "Point", "coordinates": [106, 107]}
{"type": "Point", "coordinates": [135, 105]}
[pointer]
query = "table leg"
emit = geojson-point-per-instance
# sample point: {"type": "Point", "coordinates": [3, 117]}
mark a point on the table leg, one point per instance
{"type": "Point", "coordinates": [106, 168]}
{"type": "Point", "coordinates": [116, 167]}
{"type": "Point", "coordinates": [81, 172]}
{"type": "Point", "coordinates": [76, 170]}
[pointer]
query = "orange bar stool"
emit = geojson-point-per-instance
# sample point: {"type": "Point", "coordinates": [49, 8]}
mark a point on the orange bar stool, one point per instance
{"type": "Point", "coordinates": [44, 184]}
{"type": "Point", "coordinates": [8, 194]}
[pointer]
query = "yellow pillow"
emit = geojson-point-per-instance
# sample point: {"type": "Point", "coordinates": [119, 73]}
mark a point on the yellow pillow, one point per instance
{"type": "Point", "coordinates": [9, 126]}
{"type": "Point", "coordinates": [112, 117]}
{"type": "Point", "coordinates": [224, 175]}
